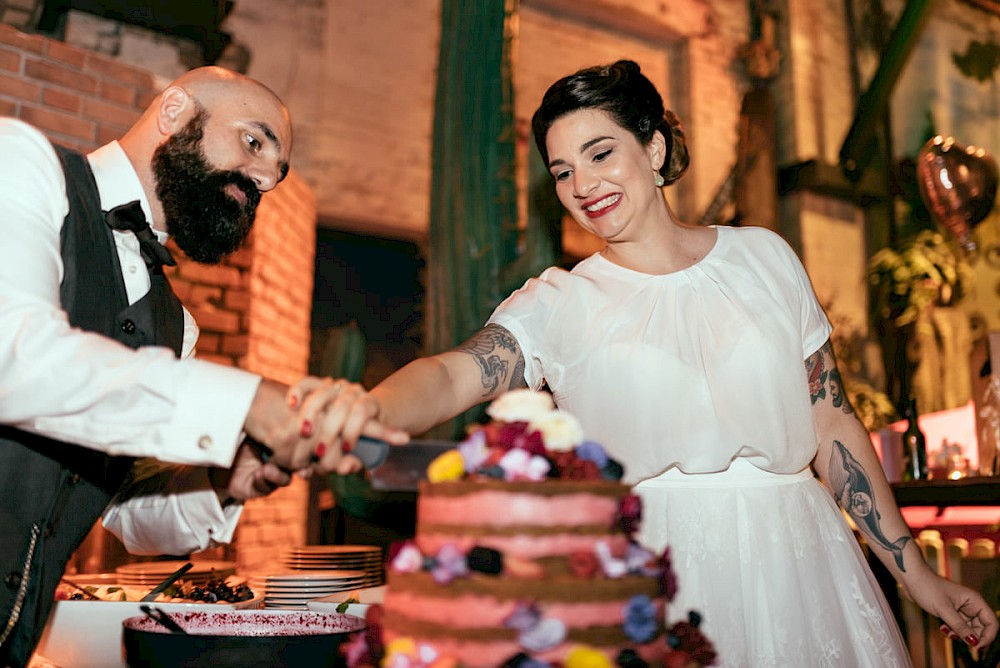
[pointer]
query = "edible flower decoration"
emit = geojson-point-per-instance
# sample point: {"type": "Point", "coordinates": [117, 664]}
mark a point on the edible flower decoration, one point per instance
{"type": "Point", "coordinates": [587, 657]}
{"type": "Point", "coordinates": [639, 617]}
{"type": "Point", "coordinates": [668, 578]}
{"type": "Point", "coordinates": [406, 653]}
{"type": "Point", "coordinates": [450, 562]}
{"type": "Point", "coordinates": [629, 514]}
{"type": "Point", "coordinates": [688, 645]}
{"type": "Point", "coordinates": [535, 633]}
{"type": "Point", "coordinates": [529, 439]}
{"type": "Point", "coordinates": [637, 560]}
{"type": "Point", "coordinates": [520, 406]}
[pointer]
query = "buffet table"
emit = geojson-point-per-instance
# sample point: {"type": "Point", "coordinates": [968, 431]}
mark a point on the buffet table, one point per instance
{"type": "Point", "coordinates": [971, 491]}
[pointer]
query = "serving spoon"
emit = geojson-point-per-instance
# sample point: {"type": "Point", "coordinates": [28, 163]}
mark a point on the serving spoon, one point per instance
{"type": "Point", "coordinates": [170, 579]}
{"type": "Point", "coordinates": [163, 619]}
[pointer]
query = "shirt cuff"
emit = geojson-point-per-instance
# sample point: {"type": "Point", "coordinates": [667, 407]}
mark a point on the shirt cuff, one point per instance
{"type": "Point", "coordinates": [211, 410]}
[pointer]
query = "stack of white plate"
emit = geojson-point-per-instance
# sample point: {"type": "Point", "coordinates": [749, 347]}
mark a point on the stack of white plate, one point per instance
{"type": "Point", "coordinates": [292, 590]}
{"type": "Point", "coordinates": [152, 573]}
{"type": "Point", "coordinates": [367, 558]}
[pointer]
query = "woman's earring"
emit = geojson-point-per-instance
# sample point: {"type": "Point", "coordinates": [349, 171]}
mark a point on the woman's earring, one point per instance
{"type": "Point", "coordinates": [659, 180]}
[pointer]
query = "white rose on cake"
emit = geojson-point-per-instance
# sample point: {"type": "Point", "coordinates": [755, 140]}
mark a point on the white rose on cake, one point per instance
{"type": "Point", "coordinates": [520, 406]}
{"type": "Point", "coordinates": [560, 431]}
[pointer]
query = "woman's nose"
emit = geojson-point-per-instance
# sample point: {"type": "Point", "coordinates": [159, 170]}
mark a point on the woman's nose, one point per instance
{"type": "Point", "coordinates": [584, 183]}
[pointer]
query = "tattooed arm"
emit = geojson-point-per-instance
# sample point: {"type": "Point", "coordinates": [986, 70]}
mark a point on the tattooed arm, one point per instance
{"type": "Point", "coordinates": [431, 390]}
{"type": "Point", "coordinates": [849, 465]}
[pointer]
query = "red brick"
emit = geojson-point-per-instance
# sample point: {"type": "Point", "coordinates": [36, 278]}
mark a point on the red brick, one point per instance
{"type": "Point", "coordinates": [20, 88]}
{"type": "Point", "coordinates": [112, 114]}
{"type": "Point", "coordinates": [57, 121]}
{"type": "Point", "coordinates": [117, 93]}
{"type": "Point", "coordinates": [237, 300]}
{"type": "Point", "coordinates": [20, 40]}
{"type": "Point", "coordinates": [145, 97]}
{"type": "Point", "coordinates": [205, 294]}
{"type": "Point", "coordinates": [208, 343]}
{"type": "Point", "coordinates": [217, 359]}
{"type": "Point", "coordinates": [60, 74]}
{"type": "Point", "coordinates": [211, 275]}
{"type": "Point", "coordinates": [235, 344]}
{"type": "Point", "coordinates": [212, 320]}
{"type": "Point", "coordinates": [10, 60]}
{"type": "Point", "coordinates": [117, 71]}
{"type": "Point", "coordinates": [242, 258]}
{"type": "Point", "coordinates": [53, 97]}
{"type": "Point", "coordinates": [8, 107]}
{"type": "Point", "coordinates": [64, 53]}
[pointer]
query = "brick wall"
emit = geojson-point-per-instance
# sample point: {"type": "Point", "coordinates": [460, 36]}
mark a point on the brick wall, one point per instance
{"type": "Point", "coordinates": [253, 309]}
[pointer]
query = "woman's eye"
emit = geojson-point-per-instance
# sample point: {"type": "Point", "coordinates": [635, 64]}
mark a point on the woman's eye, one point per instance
{"type": "Point", "coordinates": [599, 157]}
{"type": "Point", "coordinates": [562, 176]}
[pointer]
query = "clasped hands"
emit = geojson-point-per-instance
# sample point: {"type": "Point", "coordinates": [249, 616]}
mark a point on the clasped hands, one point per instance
{"type": "Point", "coordinates": [309, 428]}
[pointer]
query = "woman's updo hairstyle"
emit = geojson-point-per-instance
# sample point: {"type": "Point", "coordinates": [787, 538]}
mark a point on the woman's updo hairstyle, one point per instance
{"type": "Point", "coordinates": [624, 93]}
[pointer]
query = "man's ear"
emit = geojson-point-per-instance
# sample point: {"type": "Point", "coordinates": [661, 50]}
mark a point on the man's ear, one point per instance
{"type": "Point", "coordinates": [175, 110]}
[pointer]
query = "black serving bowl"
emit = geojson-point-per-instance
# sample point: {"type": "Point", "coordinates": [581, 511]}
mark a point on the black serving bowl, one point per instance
{"type": "Point", "coordinates": [240, 639]}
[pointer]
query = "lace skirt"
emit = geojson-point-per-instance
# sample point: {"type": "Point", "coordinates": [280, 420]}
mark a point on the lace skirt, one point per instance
{"type": "Point", "coordinates": [773, 568]}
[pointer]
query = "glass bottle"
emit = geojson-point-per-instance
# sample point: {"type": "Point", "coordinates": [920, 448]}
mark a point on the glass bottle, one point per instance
{"type": "Point", "coordinates": [914, 445]}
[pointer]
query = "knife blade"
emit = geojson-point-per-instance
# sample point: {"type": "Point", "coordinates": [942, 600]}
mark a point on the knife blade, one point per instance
{"type": "Point", "coordinates": [390, 467]}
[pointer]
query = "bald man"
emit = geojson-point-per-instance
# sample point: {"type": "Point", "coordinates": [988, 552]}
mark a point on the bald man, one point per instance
{"type": "Point", "coordinates": [96, 366]}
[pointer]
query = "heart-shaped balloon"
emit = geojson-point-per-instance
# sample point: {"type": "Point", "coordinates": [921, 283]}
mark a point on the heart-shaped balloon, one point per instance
{"type": "Point", "coordinates": [958, 185]}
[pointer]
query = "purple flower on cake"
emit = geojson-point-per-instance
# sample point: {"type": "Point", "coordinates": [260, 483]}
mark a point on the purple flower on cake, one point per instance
{"type": "Point", "coordinates": [408, 559]}
{"type": "Point", "coordinates": [640, 561]}
{"type": "Point", "coordinates": [525, 616]}
{"type": "Point", "coordinates": [560, 431]}
{"type": "Point", "coordinates": [543, 636]}
{"type": "Point", "coordinates": [520, 406]}
{"type": "Point", "coordinates": [449, 564]}
{"type": "Point", "coordinates": [593, 452]}
{"type": "Point", "coordinates": [639, 617]}
{"type": "Point", "coordinates": [613, 567]}
{"type": "Point", "coordinates": [474, 450]}
{"type": "Point", "coordinates": [519, 464]}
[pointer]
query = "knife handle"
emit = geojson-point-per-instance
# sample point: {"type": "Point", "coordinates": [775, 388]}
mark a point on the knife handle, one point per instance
{"type": "Point", "coordinates": [372, 452]}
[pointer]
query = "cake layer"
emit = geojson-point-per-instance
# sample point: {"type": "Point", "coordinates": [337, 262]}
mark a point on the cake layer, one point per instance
{"type": "Point", "coordinates": [527, 547]}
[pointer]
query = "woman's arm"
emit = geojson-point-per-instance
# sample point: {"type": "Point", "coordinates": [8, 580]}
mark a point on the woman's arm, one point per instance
{"type": "Point", "coordinates": [849, 465]}
{"type": "Point", "coordinates": [431, 390]}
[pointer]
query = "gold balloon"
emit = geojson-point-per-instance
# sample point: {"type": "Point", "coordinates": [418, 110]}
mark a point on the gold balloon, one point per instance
{"type": "Point", "coordinates": [958, 185]}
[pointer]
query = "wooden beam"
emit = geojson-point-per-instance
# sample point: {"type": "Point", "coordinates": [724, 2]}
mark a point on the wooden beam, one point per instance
{"type": "Point", "coordinates": [826, 179]}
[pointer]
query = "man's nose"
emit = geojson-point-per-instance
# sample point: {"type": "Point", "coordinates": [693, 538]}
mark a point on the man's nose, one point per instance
{"type": "Point", "coordinates": [264, 176]}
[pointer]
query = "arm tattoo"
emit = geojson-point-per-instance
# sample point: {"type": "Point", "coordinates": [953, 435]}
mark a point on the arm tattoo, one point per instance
{"type": "Point", "coordinates": [819, 376]}
{"type": "Point", "coordinates": [485, 346]}
{"type": "Point", "coordinates": [854, 493]}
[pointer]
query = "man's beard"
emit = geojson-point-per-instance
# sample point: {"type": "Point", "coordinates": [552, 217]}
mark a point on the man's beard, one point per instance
{"type": "Point", "coordinates": [204, 221]}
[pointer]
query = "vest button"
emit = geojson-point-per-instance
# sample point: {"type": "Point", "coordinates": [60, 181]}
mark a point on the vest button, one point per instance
{"type": "Point", "coordinates": [128, 326]}
{"type": "Point", "coordinates": [13, 580]}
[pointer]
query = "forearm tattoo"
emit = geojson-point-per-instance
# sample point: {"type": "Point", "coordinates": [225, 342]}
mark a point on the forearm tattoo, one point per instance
{"type": "Point", "coordinates": [820, 376]}
{"type": "Point", "coordinates": [485, 347]}
{"type": "Point", "coordinates": [853, 489]}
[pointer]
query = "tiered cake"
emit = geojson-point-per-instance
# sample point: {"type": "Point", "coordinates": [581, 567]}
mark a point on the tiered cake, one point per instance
{"type": "Point", "coordinates": [523, 556]}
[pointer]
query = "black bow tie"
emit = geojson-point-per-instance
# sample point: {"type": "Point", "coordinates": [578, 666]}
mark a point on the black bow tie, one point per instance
{"type": "Point", "coordinates": [131, 218]}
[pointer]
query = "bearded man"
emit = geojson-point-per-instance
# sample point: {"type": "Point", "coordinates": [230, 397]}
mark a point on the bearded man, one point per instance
{"type": "Point", "coordinates": [96, 352]}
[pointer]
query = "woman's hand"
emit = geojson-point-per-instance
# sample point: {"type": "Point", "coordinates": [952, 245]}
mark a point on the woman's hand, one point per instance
{"type": "Point", "coordinates": [964, 614]}
{"type": "Point", "coordinates": [335, 413]}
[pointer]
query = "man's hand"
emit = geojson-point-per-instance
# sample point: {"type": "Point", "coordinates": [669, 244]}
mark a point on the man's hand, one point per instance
{"type": "Point", "coordinates": [249, 477]}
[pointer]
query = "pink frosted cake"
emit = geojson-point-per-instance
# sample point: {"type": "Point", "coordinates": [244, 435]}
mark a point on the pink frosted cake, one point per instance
{"type": "Point", "coordinates": [523, 556]}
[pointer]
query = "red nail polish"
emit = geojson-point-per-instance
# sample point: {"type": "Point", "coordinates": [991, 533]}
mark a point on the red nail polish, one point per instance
{"type": "Point", "coordinates": [944, 629]}
{"type": "Point", "coordinates": [307, 429]}
{"type": "Point", "coordinates": [972, 640]}
{"type": "Point", "coordinates": [346, 447]}
{"type": "Point", "coordinates": [320, 449]}
{"type": "Point", "coordinates": [293, 401]}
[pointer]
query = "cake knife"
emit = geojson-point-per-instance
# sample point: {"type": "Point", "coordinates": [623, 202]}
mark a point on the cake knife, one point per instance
{"type": "Point", "coordinates": [390, 467]}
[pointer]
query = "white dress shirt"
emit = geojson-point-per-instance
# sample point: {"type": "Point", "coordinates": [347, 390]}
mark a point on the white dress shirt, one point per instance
{"type": "Point", "coordinates": [85, 388]}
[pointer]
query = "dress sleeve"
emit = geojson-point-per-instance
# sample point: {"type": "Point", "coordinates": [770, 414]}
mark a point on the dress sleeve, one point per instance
{"type": "Point", "coordinates": [526, 314]}
{"type": "Point", "coordinates": [816, 327]}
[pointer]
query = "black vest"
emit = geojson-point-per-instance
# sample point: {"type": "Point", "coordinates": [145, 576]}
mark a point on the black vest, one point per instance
{"type": "Point", "coordinates": [54, 492]}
